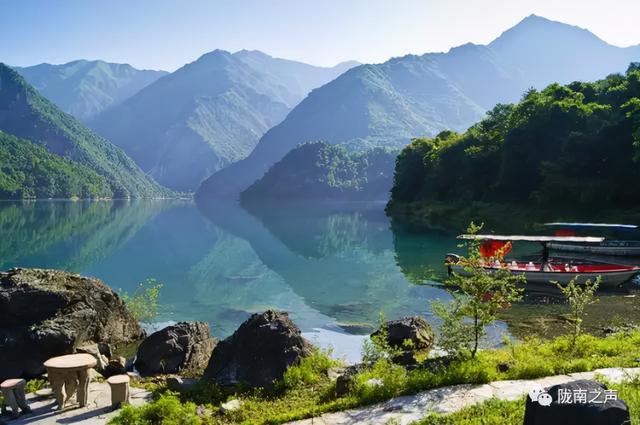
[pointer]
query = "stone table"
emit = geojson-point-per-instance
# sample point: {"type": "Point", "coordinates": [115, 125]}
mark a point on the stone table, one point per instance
{"type": "Point", "coordinates": [68, 374]}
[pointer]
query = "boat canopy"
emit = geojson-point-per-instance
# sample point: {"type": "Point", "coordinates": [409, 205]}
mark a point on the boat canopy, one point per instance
{"type": "Point", "coordinates": [585, 239]}
{"type": "Point", "coordinates": [620, 226]}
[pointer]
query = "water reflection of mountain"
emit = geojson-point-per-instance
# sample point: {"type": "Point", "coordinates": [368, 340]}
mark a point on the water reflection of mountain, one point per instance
{"type": "Point", "coordinates": [339, 258]}
{"type": "Point", "coordinates": [164, 248]}
{"type": "Point", "coordinates": [318, 230]}
{"type": "Point", "coordinates": [68, 235]}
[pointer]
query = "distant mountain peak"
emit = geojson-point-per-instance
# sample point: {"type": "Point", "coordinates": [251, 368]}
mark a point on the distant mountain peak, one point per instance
{"type": "Point", "coordinates": [465, 48]}
{"type": "Point", "coordinates": [534, 26]}
{"type": "Point", "coordinates": [257, 53]}
{"type": "Point", "coordinates": [213, 55]}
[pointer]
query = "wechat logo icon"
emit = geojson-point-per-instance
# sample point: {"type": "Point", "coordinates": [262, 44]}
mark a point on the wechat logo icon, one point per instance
{"type": "Point", "coordinates": [539, 395]}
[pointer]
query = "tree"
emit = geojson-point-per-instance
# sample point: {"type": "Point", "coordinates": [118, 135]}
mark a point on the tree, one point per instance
{"type": "Point", "coordinates": [479, 294]}
{"type": "Point", "coordinates": [565, 146]}
{"type": "Point", "coordinates": [143, 304]}
{"type": "Point", "coordinates": [578, 297]}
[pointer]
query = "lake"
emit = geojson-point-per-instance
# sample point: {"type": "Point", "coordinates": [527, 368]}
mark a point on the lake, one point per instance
{"type": "Point", "coordinates": [333, 267]}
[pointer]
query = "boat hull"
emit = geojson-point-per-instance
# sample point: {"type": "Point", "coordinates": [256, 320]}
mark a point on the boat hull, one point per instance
{"type": "Point", "coordinates": [618, 248]}
{"type": "Point", "coordinates": [609, 279]}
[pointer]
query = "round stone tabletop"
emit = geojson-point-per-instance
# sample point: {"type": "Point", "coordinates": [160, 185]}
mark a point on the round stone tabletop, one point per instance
{"type": "Point", "coordinates": [118, 379]}
{"type": "Point", "coordinates": [71, 361]}
{"type": "Point", "coordinates": [12, 383]}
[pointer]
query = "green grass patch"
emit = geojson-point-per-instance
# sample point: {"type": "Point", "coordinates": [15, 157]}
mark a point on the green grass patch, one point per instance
{"type": "Point", "coordinates": [307, 391]}
{"type": "Point", "coordinates": [490, 412]}
{"type": "Point", "coordinates": [166, 409]}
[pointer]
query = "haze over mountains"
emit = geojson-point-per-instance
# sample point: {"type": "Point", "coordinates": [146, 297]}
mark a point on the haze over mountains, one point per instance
{"type": "Point", "coordinates": [236, 115]}
{"type": "Point", "coordinates": [388, 104]}
{"type": "Point", "coordinates": [209, 113]}
{"type": "Point", "coordinates": [85, 88]}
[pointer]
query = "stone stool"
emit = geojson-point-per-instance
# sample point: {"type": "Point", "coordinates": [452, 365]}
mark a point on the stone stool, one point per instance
{"type": "Point", "coordinates": [119, 385]}
{"type": "Point", "coordinates": [14, 397]}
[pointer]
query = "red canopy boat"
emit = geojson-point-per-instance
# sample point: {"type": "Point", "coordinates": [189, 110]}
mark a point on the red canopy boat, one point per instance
{"type": "Point", "coordinates": [547, 270]}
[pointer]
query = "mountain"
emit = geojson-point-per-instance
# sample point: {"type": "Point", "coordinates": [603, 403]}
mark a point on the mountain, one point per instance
{"type": "Point", "coordinates": [26, 114]}
{"type": "Point", "coordinates": [389, 104]}
{"type": "Point", "coordinates": [574, 148]}
{"type": "Point", "coordinates": [86, 88]}
{"type": "Point", "coordinates": [545, 51]}
{"type": "Point", "coordinates": [322, 171]}
{"type": "Point", "coordinates": [209, 113]}
{"type": "Point", "coordinates": [30, 171]}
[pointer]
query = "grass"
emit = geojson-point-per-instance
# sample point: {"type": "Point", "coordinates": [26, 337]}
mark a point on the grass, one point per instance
{"type": "Point", "coordinates": [490, 412]}
{"type": "Point", "coordinates": [501, 412]}
{"type": "Point", "coordinates": [307, 391]}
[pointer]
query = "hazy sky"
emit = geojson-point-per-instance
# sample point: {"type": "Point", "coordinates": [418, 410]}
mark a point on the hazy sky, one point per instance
{"type": "Point", "coordinates": [162, 34]}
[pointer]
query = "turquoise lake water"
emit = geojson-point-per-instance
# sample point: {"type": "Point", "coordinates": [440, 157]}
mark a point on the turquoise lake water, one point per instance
{"type": "Point", "coordinates": [334, 268]}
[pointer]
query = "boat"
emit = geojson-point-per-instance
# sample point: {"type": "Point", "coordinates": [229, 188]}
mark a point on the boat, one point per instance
{"type": "Point", "coordinates": [620, 242]}
{"type": "Point", "coordinates": [547, 269]}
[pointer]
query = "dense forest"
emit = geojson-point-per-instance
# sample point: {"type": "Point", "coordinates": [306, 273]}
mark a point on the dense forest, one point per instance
{"type": "Point", "coordinates": [575, 145]}
{"type": "Point", "coordinates": [322, 171]}
{"type": "Point", "coordinates": [26, 114]}
{"type": "Point", "coordinates": [28, 170]}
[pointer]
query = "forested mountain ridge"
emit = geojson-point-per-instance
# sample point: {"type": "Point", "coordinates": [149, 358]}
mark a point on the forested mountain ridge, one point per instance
{"type": "Point", "coordinates": [390, 103]}
{"type": "Point", "coordinates": [26, 114]}
{"type": "Point", "coordinates": [209, 113]}
{"type": "Point", "coordinates": [322, 171]}
{"type": "Point", "coordinates": [573, 146]}
{"type": "Point", "coordinates": [30, 171]}
{"type": "Point", "coordinates": [85, 88]}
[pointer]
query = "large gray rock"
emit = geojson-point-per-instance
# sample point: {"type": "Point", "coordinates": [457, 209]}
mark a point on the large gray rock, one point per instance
{"type": "Point", "coordinates": [414, 329]}
{"type": "Point", "coordinates": [259, 352]}
{"type": "Point", "coordinates": [46, 313]}
{"type": "Point", "coordinates": [186, 346]}
{"type": "Point", "coordinates": [597, 410]}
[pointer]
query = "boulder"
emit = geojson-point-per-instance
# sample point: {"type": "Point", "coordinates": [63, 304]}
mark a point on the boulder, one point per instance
{"type": "Point", "coordinates": [180, 384]}
{"type": "Point", "coordinates": [259, 351]}
{"type": "Point", "coordinates": [597, 410]}
{"type": "Point", "coordinates": [116, 366]}
{"type": "Point", "coordinates": [71, 311]}
{"type": "Point", "coordinates": [414, 329]}
{"type": "Point", "coordinates": [94, 350]}
{"type": "Point", "coordinates": [186, 346]}
{"type": "Point", "coordinates": [345, 381]}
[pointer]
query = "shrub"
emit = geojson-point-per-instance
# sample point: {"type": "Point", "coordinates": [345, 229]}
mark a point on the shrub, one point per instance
{"type": "Point", "coordinates": [578, 297]}
{"type": "Point", "coordinates": [310, 370]}
{"type": "Point", "coordinates": [377, 347]}
{"type": "Point", "coordinates": [143, 304]}
{"type": "Point", "coordinates": [166, 410]}
{"type": "Point", "coordinates": [382, 381]}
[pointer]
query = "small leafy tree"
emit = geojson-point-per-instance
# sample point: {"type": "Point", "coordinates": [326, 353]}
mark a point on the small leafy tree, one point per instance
{"type": "Point", "coordinates": [143, 303]}
{"type": "Point", "coordinates": [378, 348]}
{"type": "Point", "coordinates": [479, 294]}
{"type": "Point", "coordinates": [578, 297]}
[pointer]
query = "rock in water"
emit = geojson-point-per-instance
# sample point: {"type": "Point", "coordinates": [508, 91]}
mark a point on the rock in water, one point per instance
{"type": "Point", "coordinates": [181, 347]}
{"type": "Point", "coordinates": [46, 313]}
{"type": "Point", "coordinates": [568, 406]}
{"type": "Point", "coordinates": [414, 329]}
{"type": "Point", "coordinates": [259, 352]}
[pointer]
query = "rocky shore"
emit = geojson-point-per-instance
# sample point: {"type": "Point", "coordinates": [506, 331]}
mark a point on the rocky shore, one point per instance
{"type": "Point", "coordinates": [46, 313]}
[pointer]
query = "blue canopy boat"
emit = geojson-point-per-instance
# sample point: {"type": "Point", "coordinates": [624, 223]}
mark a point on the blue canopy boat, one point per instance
{"type": "Point", "coordinates": [621, 239]}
